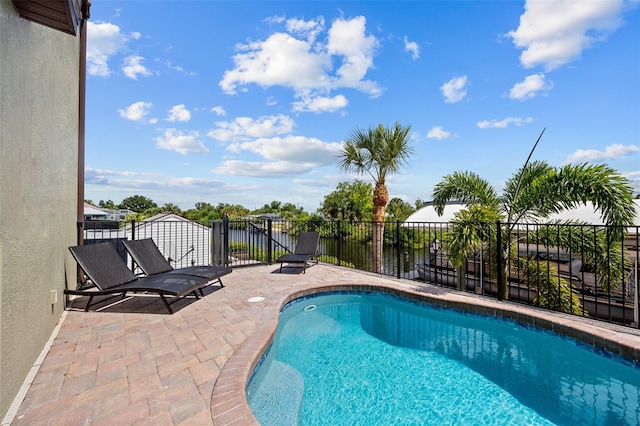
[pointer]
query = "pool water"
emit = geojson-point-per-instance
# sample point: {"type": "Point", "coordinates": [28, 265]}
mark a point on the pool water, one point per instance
{"type": "Point", "coordinates": [375, 359]}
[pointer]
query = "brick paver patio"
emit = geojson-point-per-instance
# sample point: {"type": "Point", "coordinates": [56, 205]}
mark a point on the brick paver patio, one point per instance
{"type": "Point", "coordinates": [133, 363]}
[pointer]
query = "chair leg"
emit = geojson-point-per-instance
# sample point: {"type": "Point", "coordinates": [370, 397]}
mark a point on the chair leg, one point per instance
{"type": "Point", "coordinates": [86, 309]}
{"type": "Point", "coordinates": [166, 304]}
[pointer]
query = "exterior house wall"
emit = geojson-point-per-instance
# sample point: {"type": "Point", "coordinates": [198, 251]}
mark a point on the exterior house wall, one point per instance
{"type": "Point", "coordinates": [39, 115]}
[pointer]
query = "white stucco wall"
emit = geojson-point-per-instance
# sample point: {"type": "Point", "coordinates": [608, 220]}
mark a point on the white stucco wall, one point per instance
{"type": "Point", "coordinates": [39, 86]}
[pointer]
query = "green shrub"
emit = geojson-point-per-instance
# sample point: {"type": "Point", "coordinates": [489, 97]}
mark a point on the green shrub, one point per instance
{"type": "Point", "coordinates": [237, 246]}
{"type": "Point", "coordinates": [334, 261]}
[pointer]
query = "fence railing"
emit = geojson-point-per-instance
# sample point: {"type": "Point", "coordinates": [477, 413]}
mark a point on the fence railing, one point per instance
{"type": "Point", "coordinates": [585, 270]}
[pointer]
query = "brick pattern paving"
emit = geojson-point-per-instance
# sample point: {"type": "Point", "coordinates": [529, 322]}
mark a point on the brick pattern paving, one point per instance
{"type": "Point", "coordinates": [133, 363]}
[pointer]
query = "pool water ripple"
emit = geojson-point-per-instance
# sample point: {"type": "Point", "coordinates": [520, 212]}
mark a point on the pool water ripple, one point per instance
{"type": "Point", "coordinates": [373, 360]}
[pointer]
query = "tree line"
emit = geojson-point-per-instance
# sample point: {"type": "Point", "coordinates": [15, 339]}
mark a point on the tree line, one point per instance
{"type": "Point", "coordinates": [350, 201]}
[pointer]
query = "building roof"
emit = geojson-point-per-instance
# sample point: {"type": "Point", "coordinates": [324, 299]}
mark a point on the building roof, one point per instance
{"type": "Point", "coordinates": [584, 213]}
{"type": "Point", "coordinates": [61, 15]}
{"type": "Point", "coordinates": [166, 217]}
{"type": "Point", "coordinates": [90, 210]}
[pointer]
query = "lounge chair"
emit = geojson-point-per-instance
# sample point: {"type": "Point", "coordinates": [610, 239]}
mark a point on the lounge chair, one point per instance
{"type": "Point", "coordinates": [109, 274]}
{"type": "Point", "coordinates": [306, 250]}
{"type": "Point", "coordinates": [148, 257]}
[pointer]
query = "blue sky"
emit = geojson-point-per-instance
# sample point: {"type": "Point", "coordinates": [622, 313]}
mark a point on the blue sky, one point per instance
{"type": "Point", "coordinates": [245, 102]}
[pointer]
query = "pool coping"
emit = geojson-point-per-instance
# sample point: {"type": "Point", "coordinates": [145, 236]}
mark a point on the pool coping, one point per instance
{"type": "Point", "coordinates": [229, 403]}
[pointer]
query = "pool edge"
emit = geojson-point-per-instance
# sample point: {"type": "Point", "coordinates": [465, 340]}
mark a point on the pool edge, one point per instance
{"type": "Point", "coordinates": [229, 403]}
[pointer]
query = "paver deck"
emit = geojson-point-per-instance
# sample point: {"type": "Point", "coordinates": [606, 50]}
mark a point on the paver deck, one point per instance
{"type": "Point", "coordinates": [133, 363]}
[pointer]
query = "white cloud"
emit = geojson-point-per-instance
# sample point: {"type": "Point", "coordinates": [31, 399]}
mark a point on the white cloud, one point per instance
{"type": "Point", "coordinates": [412, 47]}
{"type": "Point", "coordinates": [127, 183]}
{"type": "Point", "coordinates": [175, 140]}
{"type": "Point", "coordinates": [501, 124]}
{"type": "Point", "coordinates": [320, 104]}
{"type": "Point", "coordinates": [262, 169]}
{"type": "Point", "coordinates": [554, 33]}
{"type": "Point", "coordinates": [218, 110]}
{"type": "Point", "coordinates": [101, 176]}
{"type": "Point", "coordinates": [295, 149]}
{"type": "Point", "coordinates": [347, 39]}
{"type": "Point", "coordinates": [438, 132]}
{"type": "Point", "coordinates": [187, 191]}
{"type": "Point", "coordinates": [178, 68]}
{"type": "Point", "coordinates": [137, 111]}
{"type": "Point", "coordinates": [93, 177]}
{"type": "Point", "coordinates": [280, 60]}
{"type": "Point", "coordinates": [304, 65]}
{"type": "Point", "coordinates": [103, 41]}
{"type": "Point", "coordinates": [273, 20]}
{"type": "Point", "coordinates": [454, 90]}
{"type": "Point", "coordinates": [244, 128]}
{"type": "Point", "coordinates": [634, 178]}
{"type": "Point", "coordinates": [610, 152]}
{"type": "Point", "coordinates": [529, 88]}
{"type": "Point", "coordinates": [286, 155]}
{"type": "Point", "coordinates": [133, 67]}
{"type": "Point", "coordinates": [317, 183]}
{"type": "Point", "coordinates": [306, 29]}
{"type": "Point", "coordinates": [179, 113]}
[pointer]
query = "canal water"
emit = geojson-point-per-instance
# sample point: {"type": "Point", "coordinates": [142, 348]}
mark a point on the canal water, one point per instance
{"type": "Point", "coordinates": [349, 252]}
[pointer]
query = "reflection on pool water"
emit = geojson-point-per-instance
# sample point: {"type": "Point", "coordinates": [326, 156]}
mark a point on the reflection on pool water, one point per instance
{"type": "Point", "coordinates": [374, 359]}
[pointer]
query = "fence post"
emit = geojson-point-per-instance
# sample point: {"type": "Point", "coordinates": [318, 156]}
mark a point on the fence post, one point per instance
{"type": "Point", "coordinates": [218, 247]}
{"type": "Point", "coordinates": [269, 240]}
{"type": "Point", "coordinates": [338, 232]}
{"type": "Point", "coordinates": [133, 238]}
{"type": "Point", "coordinates": [398, 256]}
{"type": "Point", "coordinates": [225, 241]}
{"type": "Point", "coordinates": [79, 273]}
{"type": "Point", "coordinates": [213, 258]}
{"type": "Point", "coordinates": [500, 271]}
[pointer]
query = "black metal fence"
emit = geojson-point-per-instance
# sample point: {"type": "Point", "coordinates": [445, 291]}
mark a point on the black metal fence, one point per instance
{"type": "Point", "coordinates": [586, 270]}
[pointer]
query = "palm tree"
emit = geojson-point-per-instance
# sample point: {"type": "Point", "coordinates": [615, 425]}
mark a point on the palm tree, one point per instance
{"type": "Point", "coordinates": [377, 152]}
{"type": "Point", "coordinates": [538, 190]}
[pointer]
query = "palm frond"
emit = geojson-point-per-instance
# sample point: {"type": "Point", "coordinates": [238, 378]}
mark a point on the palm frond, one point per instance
{"type": "Point", "coordinates": [610, 192]}
{"type": "Point", "coordinates": [376, 151]}
{"type": "Point", "coordinates": [466, 187]}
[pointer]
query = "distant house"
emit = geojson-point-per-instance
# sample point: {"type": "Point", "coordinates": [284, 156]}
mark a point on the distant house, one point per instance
{"type": "Point", "coordinates": [118, 214]}
{"type": "Point", "coordinates": [183, 241]}
{"type": "Point", "coordinates": [584, 213]}
{"type": "Point", "coordinates": [94, 213]}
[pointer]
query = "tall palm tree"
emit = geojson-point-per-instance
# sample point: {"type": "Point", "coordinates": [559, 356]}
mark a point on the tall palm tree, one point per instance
{"type": "Point", "coordinates": [377, 152]}
{"type": "Point", "coordinates": [538, 190]}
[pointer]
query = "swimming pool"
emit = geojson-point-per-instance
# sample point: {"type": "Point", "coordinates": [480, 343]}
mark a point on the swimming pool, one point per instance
{"type": "Point", "coordinates": [370, 358]}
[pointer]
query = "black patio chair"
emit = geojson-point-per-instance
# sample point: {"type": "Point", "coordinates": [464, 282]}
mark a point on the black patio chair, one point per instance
{"type": "Point", "coordinates": [306, 250]}
{"type": "Point", "coordinates": [148, 257]}
{"type": "Point", "coordinates": [109, 275]}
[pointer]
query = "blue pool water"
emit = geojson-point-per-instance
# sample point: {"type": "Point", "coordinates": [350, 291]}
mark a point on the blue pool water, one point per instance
{"type": "Point", "coordinates": [375, 359]}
